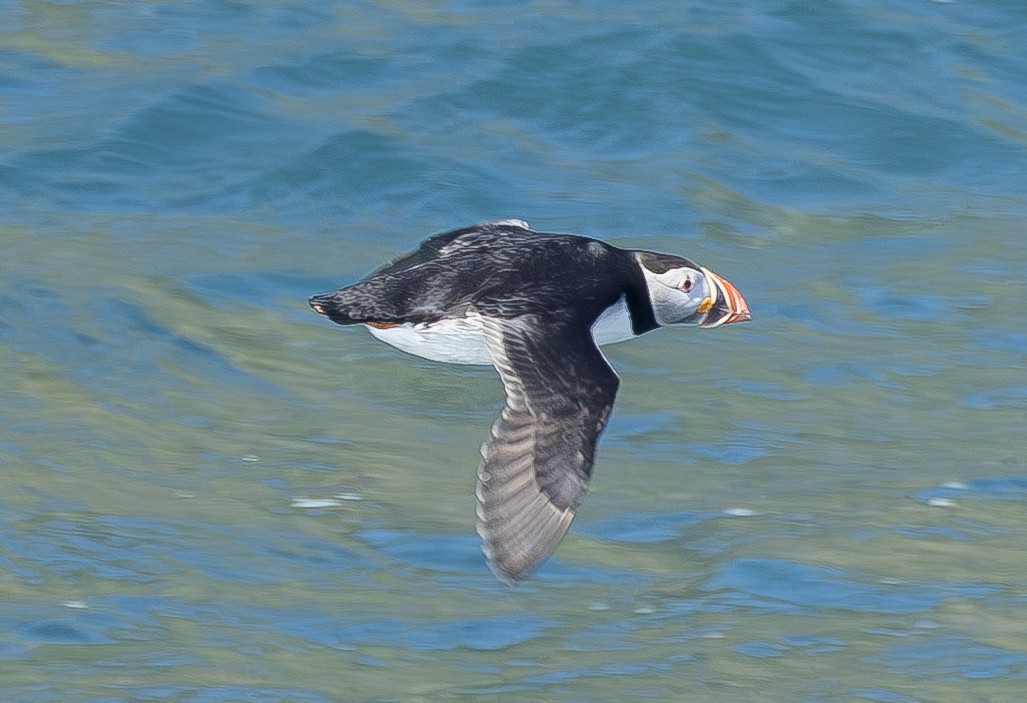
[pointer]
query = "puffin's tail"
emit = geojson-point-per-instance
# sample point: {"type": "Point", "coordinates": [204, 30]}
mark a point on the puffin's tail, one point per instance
{"type": "Point", "coordinates": [369, 301]}
{"type": "Point", "coordinates": [335, 307]}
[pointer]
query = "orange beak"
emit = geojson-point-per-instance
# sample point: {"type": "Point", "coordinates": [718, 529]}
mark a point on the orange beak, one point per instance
{"type": "Point", "coordinates": [726, 304]}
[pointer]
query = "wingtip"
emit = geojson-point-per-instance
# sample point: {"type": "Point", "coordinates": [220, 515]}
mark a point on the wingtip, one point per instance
{"type": "Point", "coordinates": [503, 570]}
{"type": "Point", "coordinates": [499, 570]}
{"type": "Point", "coordinates": [509, 222]}
{"type": "Point", "coordinates": [516, 546]}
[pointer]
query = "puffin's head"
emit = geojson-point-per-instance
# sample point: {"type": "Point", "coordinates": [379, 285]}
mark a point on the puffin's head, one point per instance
{"type": "Point", "coordinates": [683, 292]}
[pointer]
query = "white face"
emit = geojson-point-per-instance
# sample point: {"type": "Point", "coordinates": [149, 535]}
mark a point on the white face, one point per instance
{"type": "Point", "coordinates": [680, 295]}
{"type": "Point", "coordinates": [682, 292]}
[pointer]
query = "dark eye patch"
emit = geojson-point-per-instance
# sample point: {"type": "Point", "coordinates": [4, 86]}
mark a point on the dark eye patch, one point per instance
{"type": "Point", "coordinates": [662, 263]}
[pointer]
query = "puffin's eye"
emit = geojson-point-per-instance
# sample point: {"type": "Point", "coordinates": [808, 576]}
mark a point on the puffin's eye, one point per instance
{"type": "Point", "coordinates": [686, 285]}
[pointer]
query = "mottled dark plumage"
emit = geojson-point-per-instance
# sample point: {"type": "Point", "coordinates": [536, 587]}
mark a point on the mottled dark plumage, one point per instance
{"type": "Point", "coordinates": [500, 269]}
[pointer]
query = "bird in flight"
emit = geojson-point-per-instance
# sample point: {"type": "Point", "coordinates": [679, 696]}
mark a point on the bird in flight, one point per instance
{"type": "Point", "coordinates": [537, 307]}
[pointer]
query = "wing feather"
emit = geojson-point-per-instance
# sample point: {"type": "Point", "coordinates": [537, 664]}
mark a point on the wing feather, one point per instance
{"type": "Point", "coordinates": [435, 246]}
{"type": "Point", "coordinates": [538, 458]}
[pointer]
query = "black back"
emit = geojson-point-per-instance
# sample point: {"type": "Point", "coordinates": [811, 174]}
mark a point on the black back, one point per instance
{"type": "Point", "coordinates": [502, 270]}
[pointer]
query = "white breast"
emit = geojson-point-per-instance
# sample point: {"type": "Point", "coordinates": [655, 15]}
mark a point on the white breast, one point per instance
{"type": "Point", "coordinates": [454, 341]}
{"type": "Point", "coordinates": [462, 341]}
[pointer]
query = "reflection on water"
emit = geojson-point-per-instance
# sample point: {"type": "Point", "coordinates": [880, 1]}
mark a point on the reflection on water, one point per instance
{"type": "Point", "coordinates": [210, 496]}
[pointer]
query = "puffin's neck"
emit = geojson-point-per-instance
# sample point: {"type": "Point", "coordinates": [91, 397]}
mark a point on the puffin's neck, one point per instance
{"type": "Point", "coordinates": [638, 299]}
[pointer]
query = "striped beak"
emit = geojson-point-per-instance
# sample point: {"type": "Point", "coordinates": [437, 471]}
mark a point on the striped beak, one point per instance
{"type": "Point", "coordinates": [726, 304]}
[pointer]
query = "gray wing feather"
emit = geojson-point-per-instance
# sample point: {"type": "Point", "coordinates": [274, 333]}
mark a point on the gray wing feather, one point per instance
{"type": "Point", "coordinates": [538, 458]}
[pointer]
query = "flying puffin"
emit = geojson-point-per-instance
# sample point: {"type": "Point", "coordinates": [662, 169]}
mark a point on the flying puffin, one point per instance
{"type": "Point", "coordinates": [537, 307]}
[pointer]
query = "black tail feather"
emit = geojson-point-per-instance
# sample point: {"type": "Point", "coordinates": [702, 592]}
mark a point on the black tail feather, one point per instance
{"type": "Point", "coordinates": [331, 306]}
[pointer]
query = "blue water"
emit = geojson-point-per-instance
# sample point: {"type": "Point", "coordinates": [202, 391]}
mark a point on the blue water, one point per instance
{"type": "Point", "coordinates": [210, 494]}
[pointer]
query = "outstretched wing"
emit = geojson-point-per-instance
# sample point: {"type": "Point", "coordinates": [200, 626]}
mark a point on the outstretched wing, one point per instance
{"type": "Point", "coordinates": [432, 247]}
{"type": "Point", "coordinates": [435, 280]}
{"type": "Point", "coordinates": [538, 459]}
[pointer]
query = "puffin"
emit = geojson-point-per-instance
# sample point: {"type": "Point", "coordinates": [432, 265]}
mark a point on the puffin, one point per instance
{"type": "Point", "coordinates": [537, 307]}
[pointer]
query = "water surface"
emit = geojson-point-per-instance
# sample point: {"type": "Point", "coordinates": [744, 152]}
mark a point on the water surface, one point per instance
{"type": "Point", "coordinates": [211, 494]}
